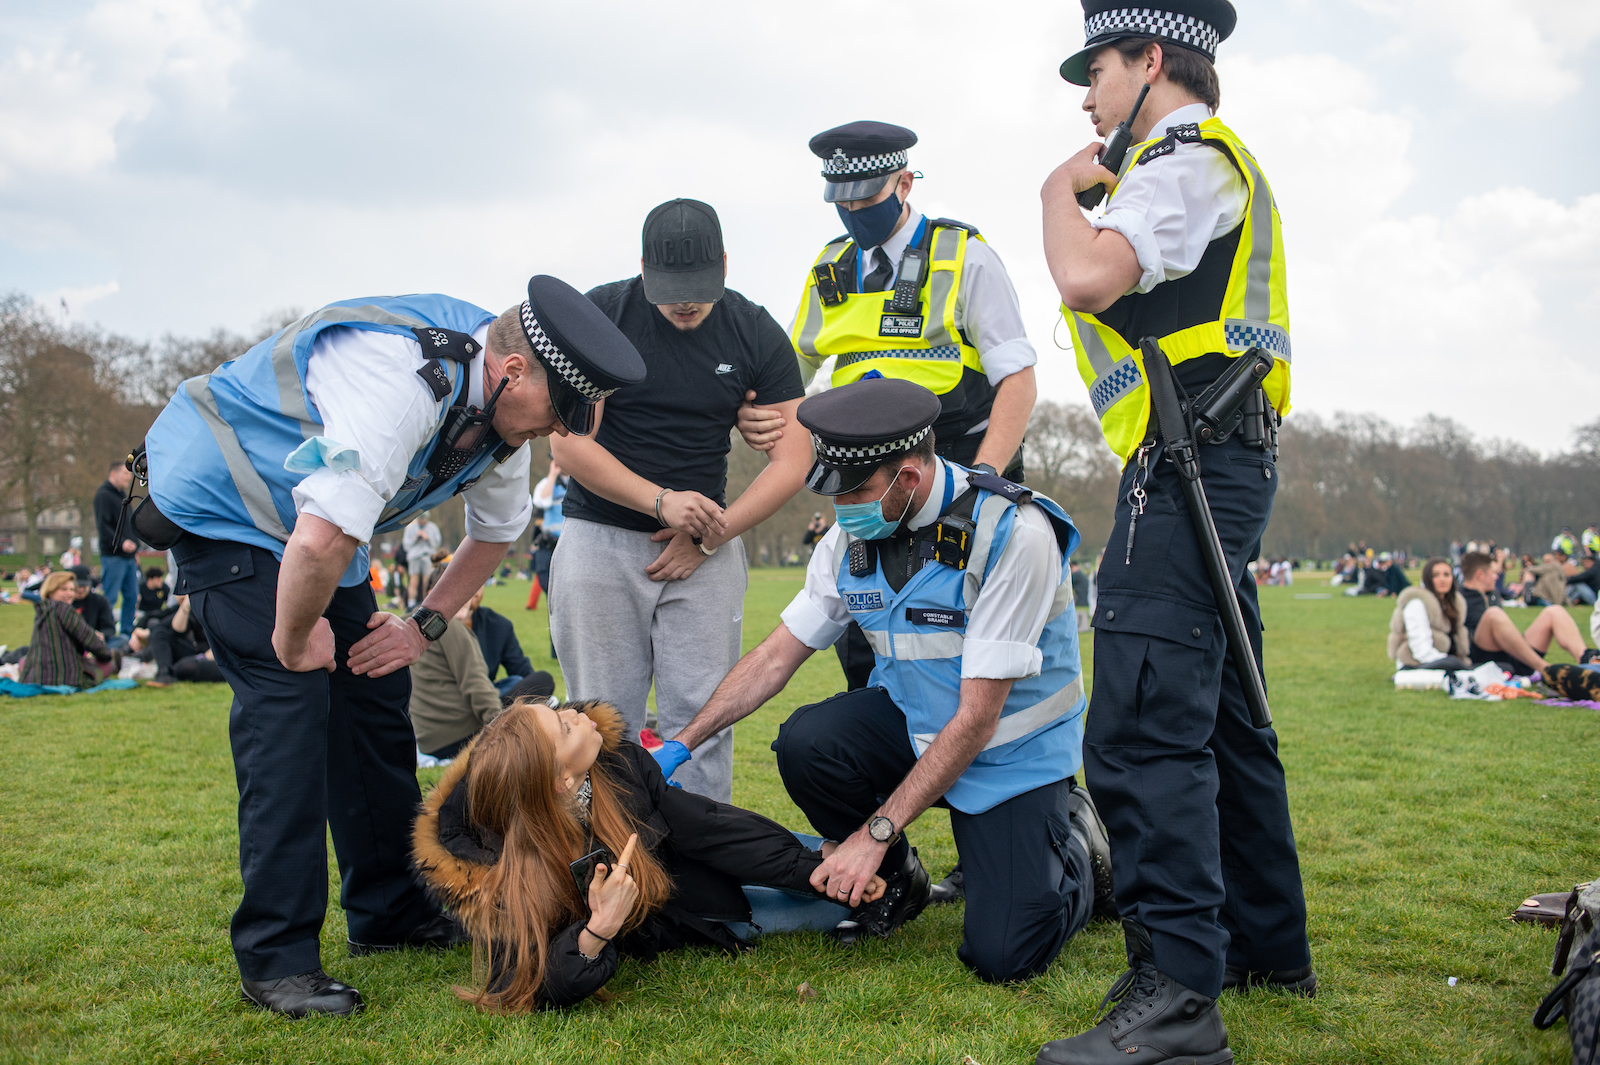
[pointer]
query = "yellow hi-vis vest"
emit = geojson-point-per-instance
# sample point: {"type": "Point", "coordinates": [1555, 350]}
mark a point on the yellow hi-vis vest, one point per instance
{"type": "Point", "coordinates": [1235, 299]}
{"type": "Point", "coordinates": [926, 347]}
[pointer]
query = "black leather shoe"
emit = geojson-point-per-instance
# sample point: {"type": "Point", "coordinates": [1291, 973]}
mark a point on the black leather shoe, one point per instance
{"type": "Point", "coordinates": [905, 897]}
{"type": "Point", "coordinates": [1154, 1019]}
{"type": "Point", "coordinates": [1090, 831]}
{"type": "Point", "coordinates": [440, 933]}
{"type": "Point", "coordinates": [302, 994]}
{"type": "Point", "coordinates": [1300, 981]}
{"type": "Point", "coordinates": [950, 889]}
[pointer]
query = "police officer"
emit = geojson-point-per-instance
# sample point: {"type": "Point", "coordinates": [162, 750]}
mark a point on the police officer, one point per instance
{"type": "Point", "coordinates": [269, 476]}
{"type": "Point", "coordinates": [976, 703]}
{"type": "Point", "coordinates": [1189, 250]}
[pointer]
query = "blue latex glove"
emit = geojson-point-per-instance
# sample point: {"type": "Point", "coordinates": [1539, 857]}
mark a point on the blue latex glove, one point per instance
{"type": "Point", "coordinates": [670, 756]}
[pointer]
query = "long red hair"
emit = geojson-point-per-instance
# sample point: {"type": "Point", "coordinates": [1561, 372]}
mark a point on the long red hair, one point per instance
{"type": "Point", "coordinates": [513, 789]}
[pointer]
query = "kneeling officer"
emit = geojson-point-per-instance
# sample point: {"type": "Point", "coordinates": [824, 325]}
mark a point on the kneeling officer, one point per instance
{"type": "Point", "coordinates": [960, 583]}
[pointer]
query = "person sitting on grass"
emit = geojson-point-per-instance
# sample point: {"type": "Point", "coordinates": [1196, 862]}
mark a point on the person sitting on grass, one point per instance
{"type": "Point", "coordinates": [451, 694]}
{"type": "Point", "coordinates": [65, 649]}
{"type": "Point", "coordinates": [1494, 635]}
{"type": "Point", "coordinates": [1428, 629]}
{"type": "Point", "coordinates": [497, 639]}
{"type": "Point", "coordinates": [152, 594]}
{"type": "Point", "coordinates": [96, 609]}
{"type": "Point", "coordinates": [1544, 583]}
{"type": "Point", "coordinates": [178, 645]}
{"type": "Point", "coordinates": [544, 787]}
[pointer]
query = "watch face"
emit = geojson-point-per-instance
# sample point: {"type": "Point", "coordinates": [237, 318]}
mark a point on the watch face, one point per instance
{"type": "Point", "coordinates": [881, 829]}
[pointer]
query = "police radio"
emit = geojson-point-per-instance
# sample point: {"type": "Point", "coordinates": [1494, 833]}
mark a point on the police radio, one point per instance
{"type": "Point", "coordinates": [1115, 150]}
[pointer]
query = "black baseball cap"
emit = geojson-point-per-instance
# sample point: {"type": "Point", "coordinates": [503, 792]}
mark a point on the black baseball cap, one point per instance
{"type": "Point", "coordinates": [585, 356]}
{"type": "Point", "coordinates": [84, 578]}
{"type": "Point", "coordinates": [682, 259]}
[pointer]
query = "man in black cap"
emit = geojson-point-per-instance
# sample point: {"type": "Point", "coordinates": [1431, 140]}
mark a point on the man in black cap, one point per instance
{"type": "Point", "coordinates": [960, 581]}
{"type": "Point", "coordinates": [1188, 251]}
{"type": "Point", "coordinates": [267, 479]}
{"type": "Point", "coordinates": [637, 596]}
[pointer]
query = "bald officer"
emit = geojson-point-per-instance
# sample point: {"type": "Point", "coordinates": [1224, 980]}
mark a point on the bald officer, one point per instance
{"type": "Point", "coordinates": [268, 477]}
{"type": "Point", "coordinates": [976, 704]}
{"type": "Point", "coordinates": [1189, 250]}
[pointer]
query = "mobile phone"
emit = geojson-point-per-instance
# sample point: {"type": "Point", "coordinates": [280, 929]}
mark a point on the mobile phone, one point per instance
{"type": "Point", "coordinates": [583, 869]}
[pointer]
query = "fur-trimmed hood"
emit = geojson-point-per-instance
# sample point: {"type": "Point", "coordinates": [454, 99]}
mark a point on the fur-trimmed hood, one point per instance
{"type": "Point", "coordinates": [453, 855]}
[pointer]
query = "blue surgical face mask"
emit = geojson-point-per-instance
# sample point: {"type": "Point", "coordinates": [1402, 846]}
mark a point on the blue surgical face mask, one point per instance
{"type": "Point", "coordinates": [871, 226]}
{"type": "Point", "coordinates": [866, 520]}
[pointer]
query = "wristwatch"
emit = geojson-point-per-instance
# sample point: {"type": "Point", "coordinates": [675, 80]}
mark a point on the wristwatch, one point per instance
{"type": "Point", "coordinates": [881, 829]}
{"type": "Point", "coordinates": [984, 467]}
{"type": "Point", "coordinates": [432, 623]}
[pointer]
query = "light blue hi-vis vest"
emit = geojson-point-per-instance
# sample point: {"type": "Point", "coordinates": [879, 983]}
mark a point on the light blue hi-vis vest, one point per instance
{"type": "Point", "coordinates": [217, 452]}
{"type": "Point", "coordinates": [1040, 737]}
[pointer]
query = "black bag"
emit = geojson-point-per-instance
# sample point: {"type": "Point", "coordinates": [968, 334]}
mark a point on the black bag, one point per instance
{"type": "Point", "coordinates": [1577, 996]}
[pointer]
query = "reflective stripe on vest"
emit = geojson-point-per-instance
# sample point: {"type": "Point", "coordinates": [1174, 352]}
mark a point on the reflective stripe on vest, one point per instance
{"type": "Point", "coordinates": [852, 331]}
{"type": "Point", "coordinates": [1254, 312]}
{"type": "Point", "coordinates": [1038, 738]}
{"type": "Point", "coordinates": [217, 450]}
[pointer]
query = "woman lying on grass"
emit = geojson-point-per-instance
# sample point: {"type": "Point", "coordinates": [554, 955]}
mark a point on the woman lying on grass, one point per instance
{"type": "Point", "coordinates": [541, 788]}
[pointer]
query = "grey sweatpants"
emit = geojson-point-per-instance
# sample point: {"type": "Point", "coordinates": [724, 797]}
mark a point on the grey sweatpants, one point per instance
{"type": "Point", "coordinates": [615, 629]}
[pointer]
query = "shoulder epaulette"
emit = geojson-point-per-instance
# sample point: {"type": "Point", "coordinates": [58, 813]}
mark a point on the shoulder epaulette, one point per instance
{"type": "Point", "coordinates": [440, 343]}
{"type": "Point", "coordinates": [951, 223]}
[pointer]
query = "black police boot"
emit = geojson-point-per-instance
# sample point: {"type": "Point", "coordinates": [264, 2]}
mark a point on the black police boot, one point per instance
{"type": "Point", "coordinates": [302, 994]}
{"type": "Point", "coordinates": [905, 897]}
{"type": "Point", "coordinates": [440, 932]}
{"type": "Point", "coordinates": [1300, 981]}
{"type": "Point", "coordinates": [1155, 1019]}
{"type": "Point", "coordinates": [1089, 830]}
{"type": "Point", "coordinates": [950, 889]}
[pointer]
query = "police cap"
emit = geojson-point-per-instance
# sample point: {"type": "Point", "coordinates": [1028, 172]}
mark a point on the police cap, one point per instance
{"type": "Point", "coordinates": [856, 426]}
{"type": "Point", "coordinates": [858, 157]}
{"type": "Point", "coordinates": [1197, 25]}
{"type": "Point", "coordinates": [585, 356]}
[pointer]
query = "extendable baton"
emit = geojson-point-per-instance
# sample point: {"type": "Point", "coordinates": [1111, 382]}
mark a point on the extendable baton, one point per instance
{"type": "Point", "coordinates": [1181, 449]}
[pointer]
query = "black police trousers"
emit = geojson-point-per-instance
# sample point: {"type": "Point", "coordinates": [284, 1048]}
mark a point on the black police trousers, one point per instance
{"type": "Point", "coordinates": [1028, 883]}
{"type": "Point", "coordinates": [1193, 796]}
{"type": "Point", "coordinates": [312, 752]}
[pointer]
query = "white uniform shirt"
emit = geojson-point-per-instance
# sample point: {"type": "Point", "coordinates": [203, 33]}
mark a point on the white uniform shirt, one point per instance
{"type": "Point", "coordinates": [987, 309]}
{"type": "Point", "coordinates": [1171, 208]}
{"type": "Point", "coordinates": [365, 386]}
{"type": "Point", "coordinates": [1003, 626]}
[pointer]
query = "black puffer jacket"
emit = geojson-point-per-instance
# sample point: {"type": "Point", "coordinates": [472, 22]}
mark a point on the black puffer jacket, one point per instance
{"type": "Point", "coordinates": [707, 848]}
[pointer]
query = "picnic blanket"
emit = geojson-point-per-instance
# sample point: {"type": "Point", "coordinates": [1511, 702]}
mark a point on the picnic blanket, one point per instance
{"type": "Point", "coordinates": [23, 691]}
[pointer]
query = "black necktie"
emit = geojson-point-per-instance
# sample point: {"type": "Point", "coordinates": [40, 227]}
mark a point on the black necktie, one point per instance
{"type": "Point", "coordinates": [878, 280]}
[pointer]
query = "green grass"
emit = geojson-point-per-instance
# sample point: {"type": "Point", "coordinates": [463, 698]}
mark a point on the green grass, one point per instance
{"type": "Point", "coordinates": [1421, 823]}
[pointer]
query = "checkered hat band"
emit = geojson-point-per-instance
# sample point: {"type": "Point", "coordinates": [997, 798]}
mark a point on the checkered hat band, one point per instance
{"type": "Point", "coordinates": [866, 455]}
{"type": "Point", "coordinates": [842, 164]}
{"type": "Point", "coordinates": [1185, 29]}
{"type": "Point", "coordinates": [552, 355]}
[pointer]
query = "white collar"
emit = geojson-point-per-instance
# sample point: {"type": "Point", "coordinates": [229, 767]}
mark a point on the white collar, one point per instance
{"type": "Point", "coordinates": [929, 512]}
{"type": "Point", "coordinates": [1188, 114]}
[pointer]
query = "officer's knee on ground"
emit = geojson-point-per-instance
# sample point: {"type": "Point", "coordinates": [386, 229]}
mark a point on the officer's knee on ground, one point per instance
{"type": "Point", "coordinates": [1005, 963]}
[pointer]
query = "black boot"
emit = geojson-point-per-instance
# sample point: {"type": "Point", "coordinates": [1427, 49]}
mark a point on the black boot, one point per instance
{"type": "Point", "coordinates": [440, 932]}
{"type": "Point", "coordinates": [302, 994]}
{"type": "Point", "coordinates": [1089, 830]}
{"type": "Point", "coordinates": [950, 889]}
{"type": "Point", "coordinates": [905, 897]}
{"type": "Point", "coordinates": [1155, 1019]}
{"type": "Point", "coordinates": [1300, 981]}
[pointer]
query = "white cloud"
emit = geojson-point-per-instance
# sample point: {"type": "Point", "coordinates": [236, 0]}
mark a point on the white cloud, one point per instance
{"type": "Point", "coordinates": [62, 100]}
{"type": "Point", "coordinates": [70, 301]}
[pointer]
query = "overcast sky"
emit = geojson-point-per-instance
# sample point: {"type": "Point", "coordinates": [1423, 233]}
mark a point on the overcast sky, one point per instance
{"type": "Point", "coordinates": [177, 165]}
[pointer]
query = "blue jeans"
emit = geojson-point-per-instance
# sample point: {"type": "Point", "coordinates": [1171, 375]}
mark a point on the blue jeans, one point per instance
{"type": "Point", "coordinates": [121, 575]}
{"type": "Point", "coordinates": [1582, 593]}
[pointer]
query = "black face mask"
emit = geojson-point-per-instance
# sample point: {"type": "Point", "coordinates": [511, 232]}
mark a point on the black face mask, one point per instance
{"type": "Point", "coordinates": [871, 226]}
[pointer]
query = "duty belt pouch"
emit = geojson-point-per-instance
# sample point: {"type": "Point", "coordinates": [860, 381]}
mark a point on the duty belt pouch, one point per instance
{"type": "Point", "coordinates": [154, 527]}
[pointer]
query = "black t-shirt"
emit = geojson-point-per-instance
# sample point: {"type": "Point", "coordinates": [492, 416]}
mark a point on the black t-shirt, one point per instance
{"type": "Point", "coordinates": [672, 427]}
{"type": "Point", "coordinates": [1477, 603]}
